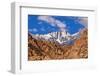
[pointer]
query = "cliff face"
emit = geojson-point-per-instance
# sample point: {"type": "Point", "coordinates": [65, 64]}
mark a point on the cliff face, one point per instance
{"type": "Point", "coordinates": [80, 47]}
{"type": "Point", "coordinates": [48, 50]}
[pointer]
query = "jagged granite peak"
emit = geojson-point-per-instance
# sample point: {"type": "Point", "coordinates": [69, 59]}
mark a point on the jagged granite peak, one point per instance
{"type": "Point", "coordinates": [60, 37]}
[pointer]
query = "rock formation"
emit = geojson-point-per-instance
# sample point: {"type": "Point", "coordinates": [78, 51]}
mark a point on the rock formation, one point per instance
{"type": "Point", "coordinates": [39, 49]}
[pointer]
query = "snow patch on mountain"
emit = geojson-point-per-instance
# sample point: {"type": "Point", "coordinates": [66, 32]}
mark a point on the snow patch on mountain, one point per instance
{"type": "Point", "coordinates": [60, 37]}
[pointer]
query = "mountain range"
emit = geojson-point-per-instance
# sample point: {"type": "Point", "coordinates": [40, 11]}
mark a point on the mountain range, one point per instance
{"type": "Point", "coordinates": [61, 37]}
{"type": "Point", "coordinates": [41, 48]}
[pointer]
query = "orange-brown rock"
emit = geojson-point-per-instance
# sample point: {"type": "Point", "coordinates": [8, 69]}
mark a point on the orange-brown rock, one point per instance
{"type": "Point", "coordinates": [48, 50]}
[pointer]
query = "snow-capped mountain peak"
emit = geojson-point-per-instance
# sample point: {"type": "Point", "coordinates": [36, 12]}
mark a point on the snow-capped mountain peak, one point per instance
{"type": "Point", "coordinates": [60, 37]}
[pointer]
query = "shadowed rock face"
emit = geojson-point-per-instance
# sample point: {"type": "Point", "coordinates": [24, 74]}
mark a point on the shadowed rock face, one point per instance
{"type": "Point", "coordinates": [48, 50]}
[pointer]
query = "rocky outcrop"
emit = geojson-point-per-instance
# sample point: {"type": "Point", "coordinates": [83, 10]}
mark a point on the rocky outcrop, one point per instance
{"type": "Point", "coordinates": [80, 47]}
{"type": "Point", "coordinates": [48, 50]}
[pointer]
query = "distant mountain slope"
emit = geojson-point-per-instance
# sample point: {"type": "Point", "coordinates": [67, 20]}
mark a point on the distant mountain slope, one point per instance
{"type": "Point", "coordinates": [45, 49]}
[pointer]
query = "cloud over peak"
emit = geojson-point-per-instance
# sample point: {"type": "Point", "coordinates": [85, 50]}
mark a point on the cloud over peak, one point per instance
{"type": "Point", "coordinates": [53, 22]}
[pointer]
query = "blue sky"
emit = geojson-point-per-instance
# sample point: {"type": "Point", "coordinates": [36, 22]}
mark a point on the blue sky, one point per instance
{"type": "Point", "coordinates": [39, 24]}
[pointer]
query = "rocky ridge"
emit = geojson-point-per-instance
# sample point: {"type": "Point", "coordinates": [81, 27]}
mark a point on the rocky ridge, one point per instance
{"type": "Point", "coordinates": [41, 49]}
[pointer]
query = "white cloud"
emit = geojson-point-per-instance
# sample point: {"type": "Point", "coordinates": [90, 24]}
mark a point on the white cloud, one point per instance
{"type": "Point", "coordinates": [53, 22]}
{"type": "Point", "coordinates": [42, 29]}
{"type": "Point", "coordinates": [39, 22]}
{"type": "Point", "coordinates": [83, 21]}
{"type": "Point", "coordinates": [33, 30]}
